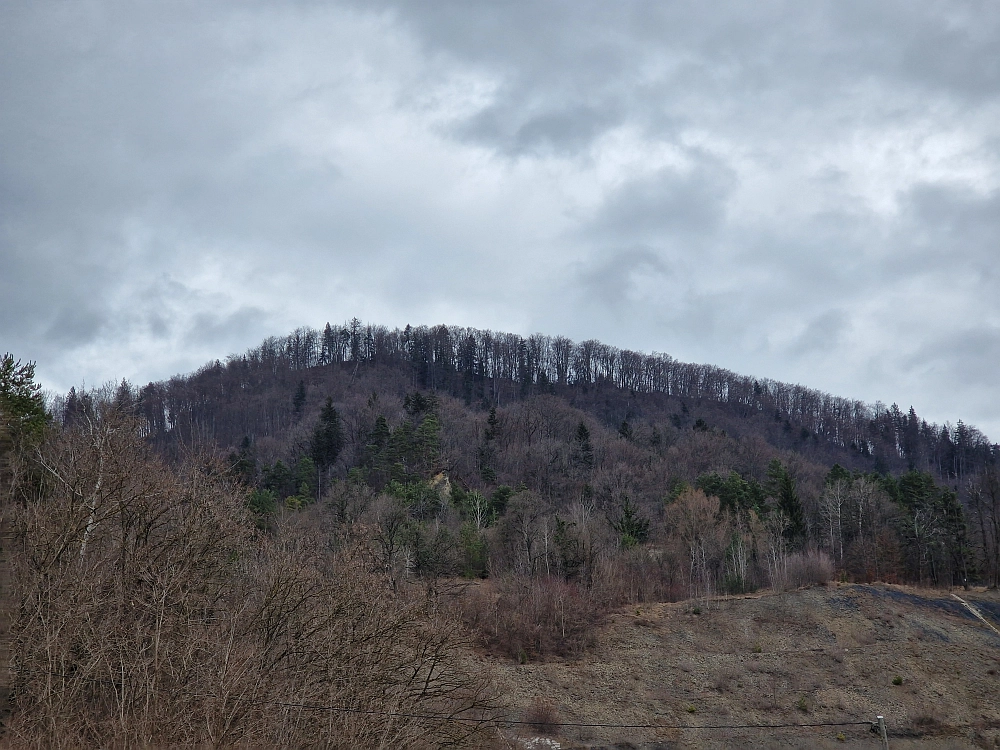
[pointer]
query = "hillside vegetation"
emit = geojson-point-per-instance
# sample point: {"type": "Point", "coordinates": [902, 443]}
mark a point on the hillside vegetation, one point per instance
{"type": "Point", "coordinates": [472, 430]}
{"type": "Point", "coordinates": [300, 545]}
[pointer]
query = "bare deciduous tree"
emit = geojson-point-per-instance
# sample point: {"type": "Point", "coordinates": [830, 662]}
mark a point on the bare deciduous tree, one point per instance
{"type": "Point", "coordinates": [831, 509]}
{"type": "Point", "coordinates": [694, 519]}
{"type": "Point", "coordinates": [985, 501]}
{"type": "Point", "coordinates": [150, 612]}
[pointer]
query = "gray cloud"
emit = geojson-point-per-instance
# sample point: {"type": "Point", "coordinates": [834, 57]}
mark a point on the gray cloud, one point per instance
{"type": "Point", "coordinates": [943, 220]}
{"type": "Point", "coordinates": [614, 279]}
{"type": "Point", "coordinates": [803, 191]}
{"type": "Point", "coordinates": [823, 333]}
{"type": "Point", "coordinates": [968, 355]}
{"type": "Point", "coordinates": [667, 206]}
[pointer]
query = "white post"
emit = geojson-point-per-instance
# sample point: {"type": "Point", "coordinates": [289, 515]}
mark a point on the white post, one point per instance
{"type": "Point", "coordinates": [881, 732]}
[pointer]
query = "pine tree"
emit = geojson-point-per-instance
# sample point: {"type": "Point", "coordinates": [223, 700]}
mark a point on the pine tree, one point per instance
{"type": "Point", "coordinates": [328, 438]}
{"type": "Point", "coordinates": [22, 421]}
{"type": "Point", "coordinates": [583, 454]}
{"type": "Point", "coordinates": [781, 486]}
{"type": "Point", "coordinates": [299, 399]}
{"type": "Point", "coordinates": [328, 346]}
{"type": "Point", "coordinates": [492, 424]}
{"type": "Point", "coordinates": [625, 430]}
{"type": "Point", "coordinates": [22, 408]}
{"type": "Point", "coordinates": [632, 528]}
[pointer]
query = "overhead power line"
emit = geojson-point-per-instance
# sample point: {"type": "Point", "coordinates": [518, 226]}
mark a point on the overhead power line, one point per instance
{"type": "Point", "coordinates": [515, 722]}
{"type": "Point", "coordinates": [500, 721]}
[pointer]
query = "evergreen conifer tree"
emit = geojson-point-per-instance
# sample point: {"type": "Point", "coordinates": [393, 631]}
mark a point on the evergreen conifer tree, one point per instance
{"type": "Point", "coordinates": [328, 438]}
{"type": "Point", "coordinates": [781, 486]}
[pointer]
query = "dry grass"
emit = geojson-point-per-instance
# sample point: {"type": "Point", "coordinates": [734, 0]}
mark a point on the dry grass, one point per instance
{"type": "Point", "coordinates": [826, 654]}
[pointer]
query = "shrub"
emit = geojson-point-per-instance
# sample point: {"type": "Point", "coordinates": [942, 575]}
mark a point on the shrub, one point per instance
{"type": "Point", "coordinates": [634, 576]}
{"type": "Point", "coordinates": [803, 569]}
{"type": "Point", "coordinates": [927, 722]}
{"type": "Point", "coordinates": [150, 612]}
{"type": "Point", "coordinates": [542, 717]}
{"type": "Point", "coordinates": [530, 618]}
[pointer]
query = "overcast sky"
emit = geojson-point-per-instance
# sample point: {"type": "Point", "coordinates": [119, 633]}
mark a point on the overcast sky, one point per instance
{"type": "Point", "coordinates": [807, 191]}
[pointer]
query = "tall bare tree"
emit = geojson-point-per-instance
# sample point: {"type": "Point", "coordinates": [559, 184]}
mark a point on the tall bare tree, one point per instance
{"type": "Point", "coordinates": [985, 501]}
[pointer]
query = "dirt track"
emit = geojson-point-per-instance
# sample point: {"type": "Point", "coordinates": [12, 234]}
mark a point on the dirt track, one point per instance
{"type": "Point", "coordinates": [818, 655]}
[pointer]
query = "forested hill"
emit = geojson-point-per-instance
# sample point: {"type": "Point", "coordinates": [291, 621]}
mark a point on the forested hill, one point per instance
{"type": "Point", "coordinates": [253, 394]}
{"type": "Point", "coordinates": [452, 483]}
{"type": "Point", "coordinates": [490, 437]}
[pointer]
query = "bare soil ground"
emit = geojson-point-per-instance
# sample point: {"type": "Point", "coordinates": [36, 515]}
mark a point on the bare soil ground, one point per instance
{"type": "Point", "coordinates": [836, 653]}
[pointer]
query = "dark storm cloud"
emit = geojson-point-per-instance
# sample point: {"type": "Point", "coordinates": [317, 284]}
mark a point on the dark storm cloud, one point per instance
{"type": "Point", "coordinates": [803, 191]}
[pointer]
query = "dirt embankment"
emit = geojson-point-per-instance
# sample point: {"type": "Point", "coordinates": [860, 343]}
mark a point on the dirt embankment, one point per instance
{"type": "Point", "coordinates": [821, 656]}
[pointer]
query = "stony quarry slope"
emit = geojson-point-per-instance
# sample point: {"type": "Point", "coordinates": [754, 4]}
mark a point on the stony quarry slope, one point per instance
{"type": "Point", "coordinates": [826, 654]}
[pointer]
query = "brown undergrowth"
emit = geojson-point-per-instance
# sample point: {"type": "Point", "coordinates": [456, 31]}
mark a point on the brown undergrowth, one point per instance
{"type": "Point", "coordinates": [151, 612]}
